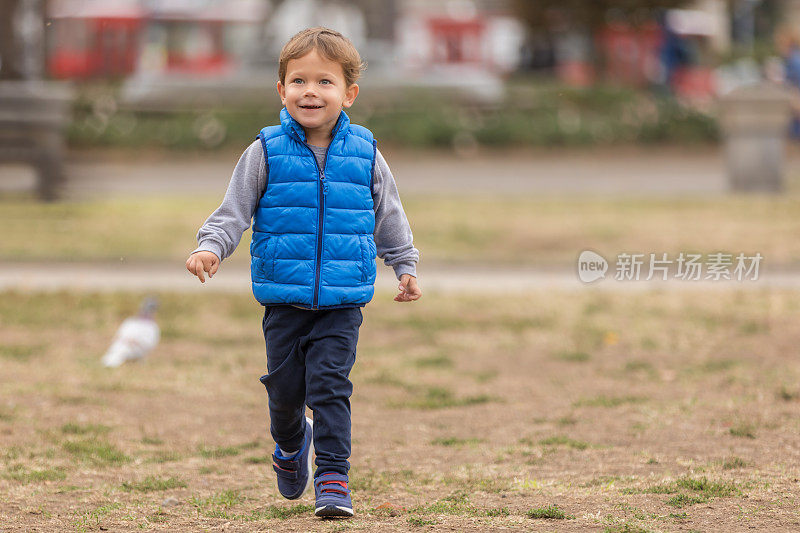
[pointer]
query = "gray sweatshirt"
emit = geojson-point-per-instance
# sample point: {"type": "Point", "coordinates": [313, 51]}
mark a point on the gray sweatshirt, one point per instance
{"type": "Point", "coordinates": [222, 231]}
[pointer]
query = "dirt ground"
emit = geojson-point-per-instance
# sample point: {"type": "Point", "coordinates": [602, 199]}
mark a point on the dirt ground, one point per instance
{"type": "Point", "coordinates": [546, 411]}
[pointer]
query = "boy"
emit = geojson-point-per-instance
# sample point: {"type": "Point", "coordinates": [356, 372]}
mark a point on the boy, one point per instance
{"type": "Point", "coordinates": [323, 204]}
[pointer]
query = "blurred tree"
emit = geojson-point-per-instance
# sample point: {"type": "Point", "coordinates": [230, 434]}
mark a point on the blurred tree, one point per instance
{"type": "Point", "coordinates": [557, 14]}
{"type": "Point", "coordinates": [10, 60]}
{"type": "Point", "coordinates": [572, 25]}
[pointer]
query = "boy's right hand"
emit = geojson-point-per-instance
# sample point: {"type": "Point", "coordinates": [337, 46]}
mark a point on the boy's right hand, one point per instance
{"type": "Point", "coordinates": [200, 262]}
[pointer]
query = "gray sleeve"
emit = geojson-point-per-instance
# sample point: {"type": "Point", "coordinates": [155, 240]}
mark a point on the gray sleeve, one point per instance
{"type": "Point", "coordinates": [393, 237]}
{"type": "Point", "coordinates": [223, 230]}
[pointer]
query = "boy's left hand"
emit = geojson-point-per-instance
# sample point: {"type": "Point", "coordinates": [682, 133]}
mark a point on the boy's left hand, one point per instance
{"type": "Point", "coordinates": [409, 290]}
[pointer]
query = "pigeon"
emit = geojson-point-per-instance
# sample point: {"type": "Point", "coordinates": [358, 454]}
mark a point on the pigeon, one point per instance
{"type": "Point", "coordinates": [135, 338]}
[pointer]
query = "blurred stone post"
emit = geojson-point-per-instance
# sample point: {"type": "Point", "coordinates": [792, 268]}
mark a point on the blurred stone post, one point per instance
{"type": "Point", "coordinates": [755, 123]}
{"type": "Point", "coordinates": [33, 112]}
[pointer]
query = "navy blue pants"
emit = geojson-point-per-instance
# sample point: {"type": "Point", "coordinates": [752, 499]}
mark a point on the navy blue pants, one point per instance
{"type": "Point", "coordinates": [309, 358]}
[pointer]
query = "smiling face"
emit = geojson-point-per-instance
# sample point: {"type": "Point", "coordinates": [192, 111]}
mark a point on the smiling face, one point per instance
{"type": "Point", "coordinates": [314, 93]}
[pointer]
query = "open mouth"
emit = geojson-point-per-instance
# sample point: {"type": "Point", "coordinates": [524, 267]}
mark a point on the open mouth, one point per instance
{"type": "Point", "coordinates": [310, 106]}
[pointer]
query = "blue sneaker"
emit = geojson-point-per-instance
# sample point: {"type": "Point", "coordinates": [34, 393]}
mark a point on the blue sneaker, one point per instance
{"type": "Point", "coordinates": [333, 496]}
{"type": "Point", "coordinates": [294, 473]}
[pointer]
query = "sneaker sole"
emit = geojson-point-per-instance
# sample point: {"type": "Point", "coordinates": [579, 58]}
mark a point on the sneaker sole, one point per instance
{"type": "Point", "coordinates": [310, 480]}
{"type": "Point", "coordinates": [333, 510]}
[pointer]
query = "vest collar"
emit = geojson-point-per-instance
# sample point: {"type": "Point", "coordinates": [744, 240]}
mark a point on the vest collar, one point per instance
{"type": "Point", "coordinates": [294, 129]}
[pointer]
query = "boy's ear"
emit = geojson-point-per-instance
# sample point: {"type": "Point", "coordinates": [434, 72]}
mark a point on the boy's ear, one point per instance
{"type": "Point", "coordinates": [282, 92]}
{"type": "Point", "coordinates": [350, 95]}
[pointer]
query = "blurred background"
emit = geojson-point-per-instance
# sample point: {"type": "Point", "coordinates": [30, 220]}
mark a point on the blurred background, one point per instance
{"type": "Point", "coordinates": [142, 101]}
{"type": "Point", "coordinates": [455, 73]}
{"type": "Point", "coordinates": [520, 133]}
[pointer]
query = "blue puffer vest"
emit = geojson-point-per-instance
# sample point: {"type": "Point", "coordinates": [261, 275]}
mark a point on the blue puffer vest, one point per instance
{"type": "Point", "coordinates": [312, 230]}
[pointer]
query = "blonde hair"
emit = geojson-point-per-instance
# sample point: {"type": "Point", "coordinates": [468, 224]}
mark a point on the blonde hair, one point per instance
{"type": "Point", "coordinates": [328, 43]}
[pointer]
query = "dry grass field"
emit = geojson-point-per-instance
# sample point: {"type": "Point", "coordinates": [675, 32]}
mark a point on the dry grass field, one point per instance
{"type": "Point", "coordinates": [491, 230]}
{"type": "Point", "coordinates": [548, 411]}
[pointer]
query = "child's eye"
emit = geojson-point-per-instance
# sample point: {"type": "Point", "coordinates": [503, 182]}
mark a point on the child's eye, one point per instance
{"type": "Point", "coordinates": [297, 80]}
{"type": "Point", "coordinates": [325, 81]}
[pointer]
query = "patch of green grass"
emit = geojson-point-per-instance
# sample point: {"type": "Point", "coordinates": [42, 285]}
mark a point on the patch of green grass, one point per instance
{"type": "Point", "coordinates": [158, 517]}
{"type": "Point", "coordinates": [743, 429]}
{"type": "Point", "coordinates": [626, 527]}
{"type": "Point", "coordinates": [24, 475]}
{"type": "Point", "coordinates": [708, 487]}
{"type": "Point", "coordinates": [664, 488]}
{"type": "Point", "coordinates": [155, 441]}
{"type": "Point", "coordinates": [477, 483]}
{"type": "Point", "coordinates": [732, 463]}
{"type": "Point", "coordinates": [164, 457]}
{"type": "Point", "coordinates": [96, 452]}
{"type": "Point", "coordinates": [93, 517]}
{"type": "Point", "coordinates": [277, 511]}
{"type": "Point", "coordinates": [682, 500]}
{"type": "Point", "coordinates": [440, 398]}
{"type": "Point", "coordinates": [753, 327]}
{"type": "Point", "coordinates": [153, 483]}
{"type": "Point", "coordinates": [551, 512]}
{"type": "Point", "coordinates": [455, 441]}
{"type": "Point", "coordinates": [369, 480]}
{"type": "Point", "coordinates": [573, 357]}
{"type": "Point", "coordinates": [63, 489]}
{"type": "Point", "coordinates": [484, 376]}
{"type": "Point", "coordinates": [19, 352]}
{"type": "Point", "coordinates": [703, 488]}
{"type": "Point", "coordinates": [788, 395]}
{"type": "Point", "coordinates": [227, 498]}
{"type": "Point", "coordinates": [379, 480]}
{"type": "Point", "coordinates": [603, 481]}
{"type": "Point", "coordinates": [714, 366]}
{"type": "Point", "coordinates": [419, 521]}
{"type": "Point", "coordinates": [457, 504]}
{"type": "Point", "coordinates": [72, 428]}
{"type": "Point", "coordinates": [387, 378]}
{"type": "Point", "coordinates": [219, 452]}
{"type": "Point", "coordinates": [561, 440]}
{"type": "Point", "coordinates": [257, 460]}
{"type": "Point", "coordinates": [635, 512]}
{"type": "Point", "coordinates": [608, 401]}
{"type": "Point", "coordinates": [640, 366]}
{"type": "Point", "coordinates": [436, 361]}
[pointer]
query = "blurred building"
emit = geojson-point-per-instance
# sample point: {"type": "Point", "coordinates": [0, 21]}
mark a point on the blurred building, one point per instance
{"type": "Point", "coordinates": [483, 35]}
{"type": "Point", "coordinates": [97, 38]}
{"type": "Point", "coordinates": [674, 51]}
{"type": "Point", "coordinates": [672, 48]}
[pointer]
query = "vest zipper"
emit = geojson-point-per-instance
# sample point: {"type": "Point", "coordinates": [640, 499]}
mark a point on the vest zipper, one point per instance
{"type": "Point", "coordinates": [321, 220]}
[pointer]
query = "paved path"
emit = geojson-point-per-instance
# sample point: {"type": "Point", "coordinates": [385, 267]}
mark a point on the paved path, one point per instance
{"type": "Point", "coordinates": [630, 171]}
{"type": "Point", "coordinates": [612, 171]}
{"type": "Point", "coordinates": [235, 279]}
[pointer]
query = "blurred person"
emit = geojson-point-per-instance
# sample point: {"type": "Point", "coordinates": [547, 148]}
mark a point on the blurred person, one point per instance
{"type": "Point", "coordinates": [788, 45]}
{"type": "Point", "coordinates": [323, 203]}
{"type": "Point", "coordinates": [673, 53]}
